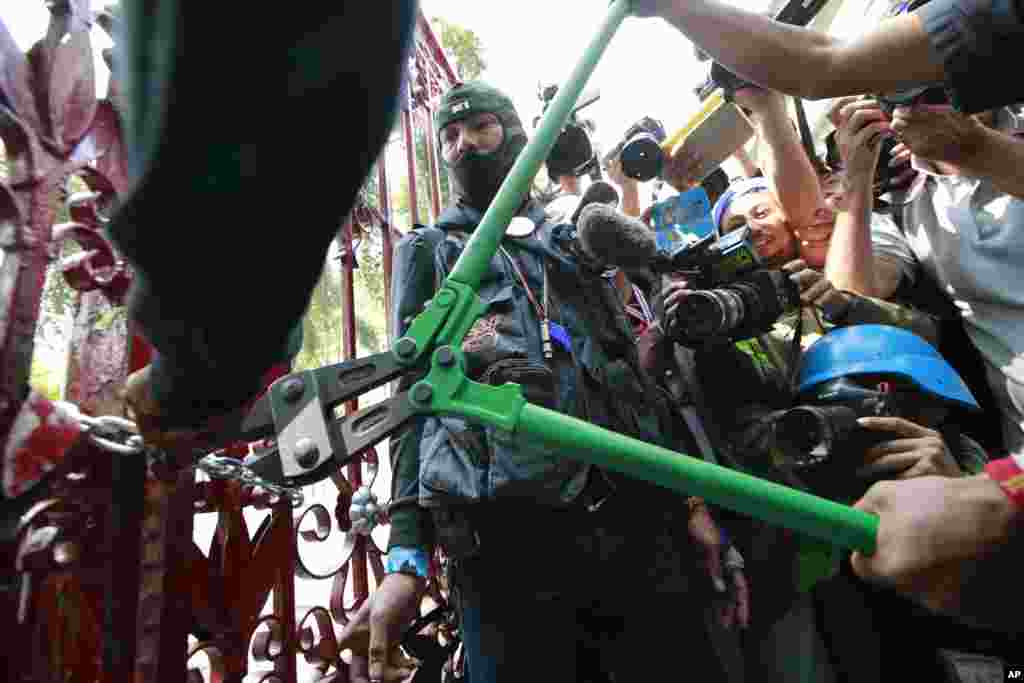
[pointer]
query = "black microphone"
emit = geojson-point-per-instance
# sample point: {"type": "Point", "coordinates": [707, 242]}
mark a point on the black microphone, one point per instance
{"type": "Point", "coordinates": [599, 192]}
{"type": "Point", "coordinates": [616, 239]}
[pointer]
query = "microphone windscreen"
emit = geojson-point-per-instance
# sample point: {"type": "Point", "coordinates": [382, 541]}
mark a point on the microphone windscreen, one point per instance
{"type": "Point", "coordinates": [599, 192]}
{"type": "Point", "coordinates": [615, 239]}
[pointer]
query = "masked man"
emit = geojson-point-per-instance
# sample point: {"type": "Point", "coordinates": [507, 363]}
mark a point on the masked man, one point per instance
{"type": "Point", "coordinates": [540, 544]}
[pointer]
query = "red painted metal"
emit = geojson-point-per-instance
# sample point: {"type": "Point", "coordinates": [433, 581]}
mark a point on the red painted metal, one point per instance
{"type": "Point", "coordinates": [80, 615]}
{"type": "Point", "coordinates": [385, 230]}
{"type": "Point", "coordinates": [410, 156]}
{"type": "Point", "coordinates": [358, 562]}
{"type": "Point", "coordinates": [435, 57]}
{"type": "Point", "coordinates": [434, 177]}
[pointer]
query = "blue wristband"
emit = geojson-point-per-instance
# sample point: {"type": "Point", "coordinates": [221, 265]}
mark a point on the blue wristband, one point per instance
{"type": "Point", "coordinates": [402, 558]}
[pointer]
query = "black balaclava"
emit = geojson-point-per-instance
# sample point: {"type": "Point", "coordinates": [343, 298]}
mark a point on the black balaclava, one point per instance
{"type": "Point", "coordinates": [476, 177]}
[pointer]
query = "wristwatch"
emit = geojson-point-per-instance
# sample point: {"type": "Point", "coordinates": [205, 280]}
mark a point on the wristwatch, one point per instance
{"type": "Point", "coordinates": [410, 561]}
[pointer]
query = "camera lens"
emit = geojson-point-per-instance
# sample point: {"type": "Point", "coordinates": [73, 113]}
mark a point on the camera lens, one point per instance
{"type": "Point", "coordinates": [711, 312]}
{"type": "Point", "coordinates": [804, 429]}
{"type": "Point", "coordinates": [641, 157]}
{"type": "Point", "coordinates": [815, 431]}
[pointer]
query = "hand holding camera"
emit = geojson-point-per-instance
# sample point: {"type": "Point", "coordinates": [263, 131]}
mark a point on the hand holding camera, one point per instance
{"type": "Point", "coordinates": [733, 296]}
{"type": "Point", "coordinates": [861, 149]}
{"type": "Point", "coordinates": [616, 174]}
{"type": "Point", "coordinates": [939, 133]}
{"type": "Point", "coordinates": [816, 289]}
{"type": "Point", "coordinates": [915, 452]}
{"type": "Point", "coordinates": [682, 170]}
{"type": "Point", "coordinates": [861, 127]}
{"type": "Point", "coordinates": [639, 151]}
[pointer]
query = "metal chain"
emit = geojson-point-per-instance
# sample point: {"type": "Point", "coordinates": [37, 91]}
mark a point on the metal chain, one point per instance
{"type": "Point", "coordinates": [225, 467]}
{"type": "Point", "coordinates": [109, 432]}
{"type": "Point", "coordinates": [121, 435]}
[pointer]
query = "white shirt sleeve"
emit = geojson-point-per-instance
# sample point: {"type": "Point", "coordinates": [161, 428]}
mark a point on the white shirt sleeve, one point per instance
{"type": "Point", "coordinates": [889, 243]}
{"type": "Point", "coordinates": [561, 208]}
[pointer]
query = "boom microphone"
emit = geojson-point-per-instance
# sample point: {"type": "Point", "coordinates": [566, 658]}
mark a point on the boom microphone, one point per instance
{"type": "Point", "coordinates": [599, 192]}
{"type": "Point", "coordinates": [615, 239]}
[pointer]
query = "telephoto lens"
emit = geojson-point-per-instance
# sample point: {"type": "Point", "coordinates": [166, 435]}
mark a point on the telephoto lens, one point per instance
{"type": "Point", "coordinates": [711, 313]}
{"type": "Point", "coordinates": [810, 434]}
{"type": "Point", "coordinates": [739, 310]}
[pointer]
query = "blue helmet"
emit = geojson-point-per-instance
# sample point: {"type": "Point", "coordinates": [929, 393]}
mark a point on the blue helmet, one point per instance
{"type": "Point", "coordinates": [882, 349]}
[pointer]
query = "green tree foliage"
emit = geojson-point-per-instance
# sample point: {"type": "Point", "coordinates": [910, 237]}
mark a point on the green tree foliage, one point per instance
{"type": "Point", "coordinates": [400, 199]}
{"type": "Point", "coordinates": [463, 45]}
{"type": "Point", "coordinates": [323, 324]}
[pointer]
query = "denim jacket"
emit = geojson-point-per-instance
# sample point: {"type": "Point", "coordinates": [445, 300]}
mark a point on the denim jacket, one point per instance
{"type": "Point", "coordinates": [448, 461]}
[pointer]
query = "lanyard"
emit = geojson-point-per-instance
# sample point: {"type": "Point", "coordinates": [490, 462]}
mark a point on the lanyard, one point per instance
{"type": "Point", "coordinates": [542, 315]}
{"type": "Point", "coordinates": [640, 311]}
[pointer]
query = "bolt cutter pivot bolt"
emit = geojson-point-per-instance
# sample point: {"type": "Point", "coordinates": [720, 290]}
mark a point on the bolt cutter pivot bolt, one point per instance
{"type": "Point", "coordinates": [445, 357]}
{"type": "Point", "coordinates": [406, 347]}
{"type": "Point", "coordinates": [293, 389]}
{"type": "Point", "coordinates": [422, 393]}
{"type": "Point", "coordinates": [306, 453]}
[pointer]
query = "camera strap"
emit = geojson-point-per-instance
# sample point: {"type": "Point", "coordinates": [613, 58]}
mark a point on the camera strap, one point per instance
{"type": "Point", "coordinates": [540, 309]}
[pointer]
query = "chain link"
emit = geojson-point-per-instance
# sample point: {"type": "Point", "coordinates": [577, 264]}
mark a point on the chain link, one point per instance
{"type": "Point", "coordinates": [121, 435]}
{"type": "Point", "coordinates": [225, 467]}
{"type": "Point", "coordinates": [110, 432]}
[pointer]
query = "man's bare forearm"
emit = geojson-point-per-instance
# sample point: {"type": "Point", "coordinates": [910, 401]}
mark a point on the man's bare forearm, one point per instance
{"type": "Point", "coordinates": [850, 263]}
{"type": "Point", "coordinates": [804, 62]}
{"type": "Point", "coordinates": [786, 166]}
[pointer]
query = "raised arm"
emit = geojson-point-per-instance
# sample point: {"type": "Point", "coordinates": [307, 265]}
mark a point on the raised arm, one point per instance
{"type": "Point", "coordinates": [801, 61]}
{"type": "Point", "coordinates": [786, 165]}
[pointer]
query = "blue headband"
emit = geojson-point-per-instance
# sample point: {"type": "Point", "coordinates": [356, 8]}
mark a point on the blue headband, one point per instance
{"type": "Point", "coordinates": [735, 191]}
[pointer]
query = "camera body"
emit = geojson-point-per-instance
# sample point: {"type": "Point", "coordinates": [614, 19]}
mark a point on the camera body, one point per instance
{"type": "Point", "coordinates": [640, 150]}
{"type": "Point", "coordinates": [573, 153]}
{"type": "Point", "coordinates": [734, 296]}
{"type": "Point", "coordinates": [929, 94]}
{"type": "Point", "coordinates": [821, 441]}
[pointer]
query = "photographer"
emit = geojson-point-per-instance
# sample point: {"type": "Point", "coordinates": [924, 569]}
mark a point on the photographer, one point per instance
{"type": "Point", "coordinates": [571, 157]}
{"type": "Point", "coordinates": [873, 402]}
{"type": "Point", "coordinates": [557, 328]}
{"type": "Point", "coordinates": [562, 168]}
{"type": "Point", "coordinates": [629, 187]}
{"type": "Point", "coordinates": [962, 224]}
{"type": "Point", "coordinates": [816, 206]}
{"type": "Point", "coordinates": [954, 42]}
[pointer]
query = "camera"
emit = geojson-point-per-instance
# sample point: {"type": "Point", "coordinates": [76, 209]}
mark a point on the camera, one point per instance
{"type": "Point", "coordinates": [640, 150]}
{"type": "Point", "coordinates": [821, 441]}
{"type": "Point", "coordinates": [884, 174]}
{"type": "Point", "coordinates": [930, 94]}
{"type": "Point", "coordinates": [573, 152]}
{"type": "Point", "coordinates": [735, 297]}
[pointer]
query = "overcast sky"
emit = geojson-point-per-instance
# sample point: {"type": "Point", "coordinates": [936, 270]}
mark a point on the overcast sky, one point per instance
{"type": "Point", "coordinates": [648, 69]}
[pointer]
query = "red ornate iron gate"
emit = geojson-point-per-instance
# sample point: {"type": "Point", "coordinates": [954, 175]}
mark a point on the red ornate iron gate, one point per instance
{"type": "Point", "coordinates": [98, 587]}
